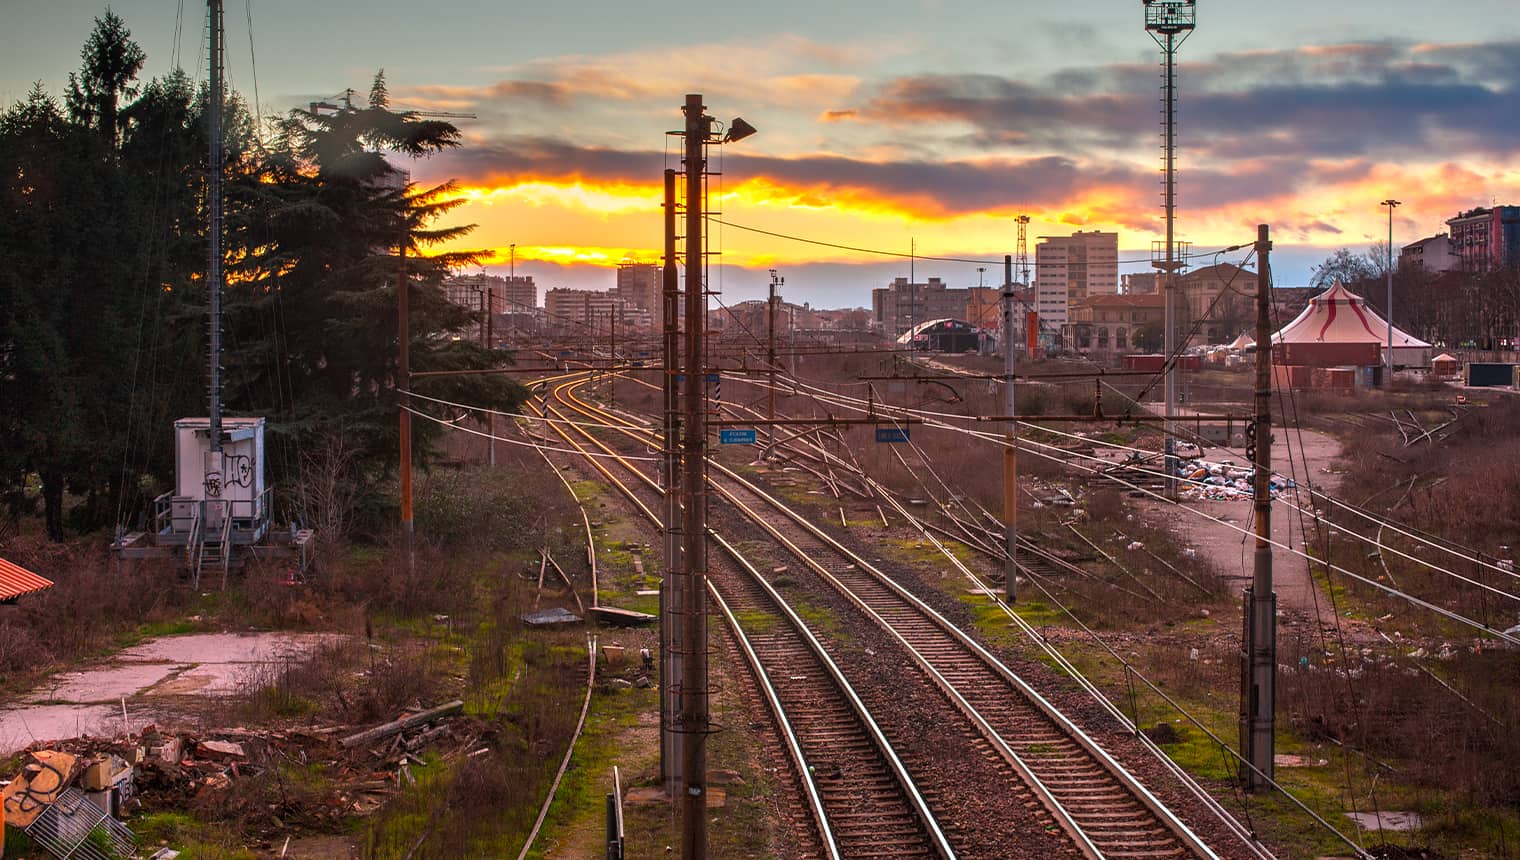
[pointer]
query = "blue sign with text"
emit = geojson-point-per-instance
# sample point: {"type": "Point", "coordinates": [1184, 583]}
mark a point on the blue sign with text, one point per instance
{"type": "Point", "coordinates": [736, 435]}
{"type": "Point", "coordinates": [891, 435]}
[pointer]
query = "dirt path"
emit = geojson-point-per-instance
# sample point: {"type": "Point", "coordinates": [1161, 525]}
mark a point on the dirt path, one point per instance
{"type": "Point", "coordinates": [1313, 456]}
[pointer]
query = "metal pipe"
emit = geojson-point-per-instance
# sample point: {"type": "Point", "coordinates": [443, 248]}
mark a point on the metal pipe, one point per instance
{"type": "Point", "coordinates": [1010, 456]}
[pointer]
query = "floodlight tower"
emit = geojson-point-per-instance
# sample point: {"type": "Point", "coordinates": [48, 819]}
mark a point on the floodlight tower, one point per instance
{"type": "Point", "coordinates": [1170, 22]}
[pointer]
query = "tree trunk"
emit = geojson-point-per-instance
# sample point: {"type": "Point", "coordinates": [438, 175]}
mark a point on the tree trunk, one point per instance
{"type": "Point", "coordinates": [52, 500]}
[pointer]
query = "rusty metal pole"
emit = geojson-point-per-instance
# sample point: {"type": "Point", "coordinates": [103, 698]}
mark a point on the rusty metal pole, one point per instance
{"type": "Point", "coordinates": [404, 388]}
{"type": "Point", "coordinates": [694, 693]}
{"type": "Point", "coordinates": [770, 363]}
{"type": "Point", "coordinates": [1260, 695]}
{"type": "Point", "coordinates": [1010, 439]}
{"type": "Point", "coordinates": [671, 593]}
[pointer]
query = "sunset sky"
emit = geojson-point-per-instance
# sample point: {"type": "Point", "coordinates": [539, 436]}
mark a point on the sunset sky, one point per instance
{"type": "Point", "coordinates": [886, 123]}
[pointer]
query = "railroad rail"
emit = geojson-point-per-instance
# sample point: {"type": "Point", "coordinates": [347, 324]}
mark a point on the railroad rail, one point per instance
{"type": "Point", "coordinates": [1105, 810]}
{"type": "Point", "coordinates": [861, 800]}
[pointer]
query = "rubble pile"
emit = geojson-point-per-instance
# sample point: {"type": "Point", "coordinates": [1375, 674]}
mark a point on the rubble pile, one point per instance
{"type": "Point", "coordinates": [269, 781]}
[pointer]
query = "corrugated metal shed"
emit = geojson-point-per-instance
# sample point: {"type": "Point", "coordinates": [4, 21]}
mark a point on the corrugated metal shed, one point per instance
{"type": "Point", "coordinates": [16, 581]}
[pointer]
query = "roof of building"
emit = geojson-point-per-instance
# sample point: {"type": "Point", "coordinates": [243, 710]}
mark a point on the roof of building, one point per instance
{"type": "Point", "coordinates": [16, 581]}
{"type": "Point", "coordinates": [1420, 243]}
{"type": "Point", "coordinates": [1218, 270]}
{"type": "Point", "coordinates": [1127, 300]}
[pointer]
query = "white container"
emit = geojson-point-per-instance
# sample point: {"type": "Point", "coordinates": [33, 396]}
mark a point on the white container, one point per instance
{"type": "Point", "coordinates": [237, 478]}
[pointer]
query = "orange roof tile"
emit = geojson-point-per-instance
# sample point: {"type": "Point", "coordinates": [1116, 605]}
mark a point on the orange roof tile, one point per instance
{"type": "Point", "coordinates": [16, 581]}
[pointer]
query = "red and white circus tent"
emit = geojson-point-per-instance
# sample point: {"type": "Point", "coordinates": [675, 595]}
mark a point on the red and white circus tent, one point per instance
{"type": "Point", "coordinates": [1338, 328]}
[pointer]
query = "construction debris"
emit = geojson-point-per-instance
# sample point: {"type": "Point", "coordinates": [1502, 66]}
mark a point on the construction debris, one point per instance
{"type": "Point", "coordinates": [396, 727]}
{"type": "Point", "coordinates": [70, 795]}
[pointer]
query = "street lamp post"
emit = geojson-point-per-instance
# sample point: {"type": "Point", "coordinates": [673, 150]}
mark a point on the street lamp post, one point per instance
{"type": "Point", "coordinates": [1390, 203]}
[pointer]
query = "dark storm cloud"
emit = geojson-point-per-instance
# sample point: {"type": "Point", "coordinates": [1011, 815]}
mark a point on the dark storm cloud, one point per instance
{"type": "Point", "coordinates": [930, 188]}
{"type": "Point", "coordinates": [1332, 101]}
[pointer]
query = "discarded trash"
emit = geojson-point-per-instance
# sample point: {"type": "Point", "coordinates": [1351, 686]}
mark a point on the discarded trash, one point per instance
{"type": "Point", "coordinates": [1224, 481]}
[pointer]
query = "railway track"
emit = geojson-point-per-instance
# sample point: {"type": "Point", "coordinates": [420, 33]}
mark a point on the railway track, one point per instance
{"type": "Point", "coordinates": [1100, 806]}
{"type": "Point", "coordinates": [860, 799]}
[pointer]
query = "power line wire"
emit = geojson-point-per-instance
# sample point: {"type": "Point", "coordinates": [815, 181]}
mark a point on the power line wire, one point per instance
{"type": "Point", "coordinates": [883, 253]}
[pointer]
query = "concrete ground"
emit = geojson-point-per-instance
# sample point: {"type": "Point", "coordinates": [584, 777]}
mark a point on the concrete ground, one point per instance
{"type": "Point", "coordinates": [108, 699]}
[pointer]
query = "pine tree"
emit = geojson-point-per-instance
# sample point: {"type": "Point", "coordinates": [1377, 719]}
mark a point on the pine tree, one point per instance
{"type": "Point", "coordinates": [322, 223]}
{"type": "Point", "coordinates": [111, 63]}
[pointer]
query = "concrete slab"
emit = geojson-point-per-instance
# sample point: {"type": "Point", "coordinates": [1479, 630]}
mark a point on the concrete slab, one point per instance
{"type": "Point", "coordinates": [1386, 820]}
{"type": "Point", "coordinates": [102, 685]}
{"type": "Point", "coordinates": [20, 727]}
{"type": "Point", "coordinates": [224, 647]}
{"type": "Point", "coordinates": [88, 702]}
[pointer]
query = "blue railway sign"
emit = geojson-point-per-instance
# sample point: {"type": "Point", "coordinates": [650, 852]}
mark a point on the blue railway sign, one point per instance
{"type": "Point", "coordinates": [891, 435]}
{"type": "Point", "coordinates": [736, 435]}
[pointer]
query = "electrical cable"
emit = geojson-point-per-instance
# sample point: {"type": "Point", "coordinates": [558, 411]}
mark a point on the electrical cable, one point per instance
{"type": "Point", "coordinates": [517, 415]}
{"type": "Point", "coordinates": [484, 435]}
{"type": "Point", "coordinates": [884, 408]}
{"type": "Point", "coordinates": [1450, 614]}
{"type": "Point", "coordinates": [915, 256]}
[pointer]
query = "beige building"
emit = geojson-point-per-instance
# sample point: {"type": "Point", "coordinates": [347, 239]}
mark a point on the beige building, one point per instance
{"type": "Point", "coordinates": [639, 285]}
{"type": "Point", "coordinates": [585, 311]}
{"type": "Point", "coordinates": [1223, 296]}
{"type": "Point", "coordinates": [900, 305]}
{"type": "Point", "coordinates": [1070, 268]}
{"type": "Point", "coordinates": [470, 291]}
{"type": "Point", "coordinates": [521, 294]}
{"type": "Point", "coordinates": [1110, 324]}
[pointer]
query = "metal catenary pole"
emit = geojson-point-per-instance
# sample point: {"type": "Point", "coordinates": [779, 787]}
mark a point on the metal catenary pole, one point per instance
{"type": "Point", "coordinates": [671, 592]}
{"type": "Point", "coordinates": [1010, 458]}
{"type": "Point", "coordinates": [1390, 203]}
{"type": "Point", "coordinates": [1260, 695]}
{"type": "Point", "coordinates": [490, 339]}
{"type": "Point", "coordinates": [770, 359]}
{"type": "Point", "coordinates": [694, 694]}
{"type": "Point", "coordinates": [404, 385]}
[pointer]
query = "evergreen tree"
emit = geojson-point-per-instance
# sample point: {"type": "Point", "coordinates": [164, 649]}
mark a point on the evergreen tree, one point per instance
{"type": "Point", "coordinates": [111, 63]}
{"type": "Point", "coordinates": [322, 223]}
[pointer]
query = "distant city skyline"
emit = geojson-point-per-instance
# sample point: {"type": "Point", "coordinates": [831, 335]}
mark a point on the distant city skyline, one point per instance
{"type": "Point", "coordinates": [926, 122]}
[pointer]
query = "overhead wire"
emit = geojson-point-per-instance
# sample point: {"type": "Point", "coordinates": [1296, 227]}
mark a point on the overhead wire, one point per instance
{"type": "Point", "coordinates": [485, 435]}
{"type": "Point", "coordinates": [888, 409]}
{"type": "Point", "coordinates": [1044, 643]}
{"type": "Point", "coordinates": [915, 256]}
{"type": "Point", "coordinates": [1029, 444]}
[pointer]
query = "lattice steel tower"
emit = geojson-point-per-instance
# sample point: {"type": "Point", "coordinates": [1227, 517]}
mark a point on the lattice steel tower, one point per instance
{"type": "Point", "coordinates": [1170, 22]}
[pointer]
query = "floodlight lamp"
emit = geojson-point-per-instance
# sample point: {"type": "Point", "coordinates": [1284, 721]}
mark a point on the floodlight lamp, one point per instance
{"type": "Point", "coordinates": [1170, 16]}
{"type": "Point", "coordinates": [738, 130]}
